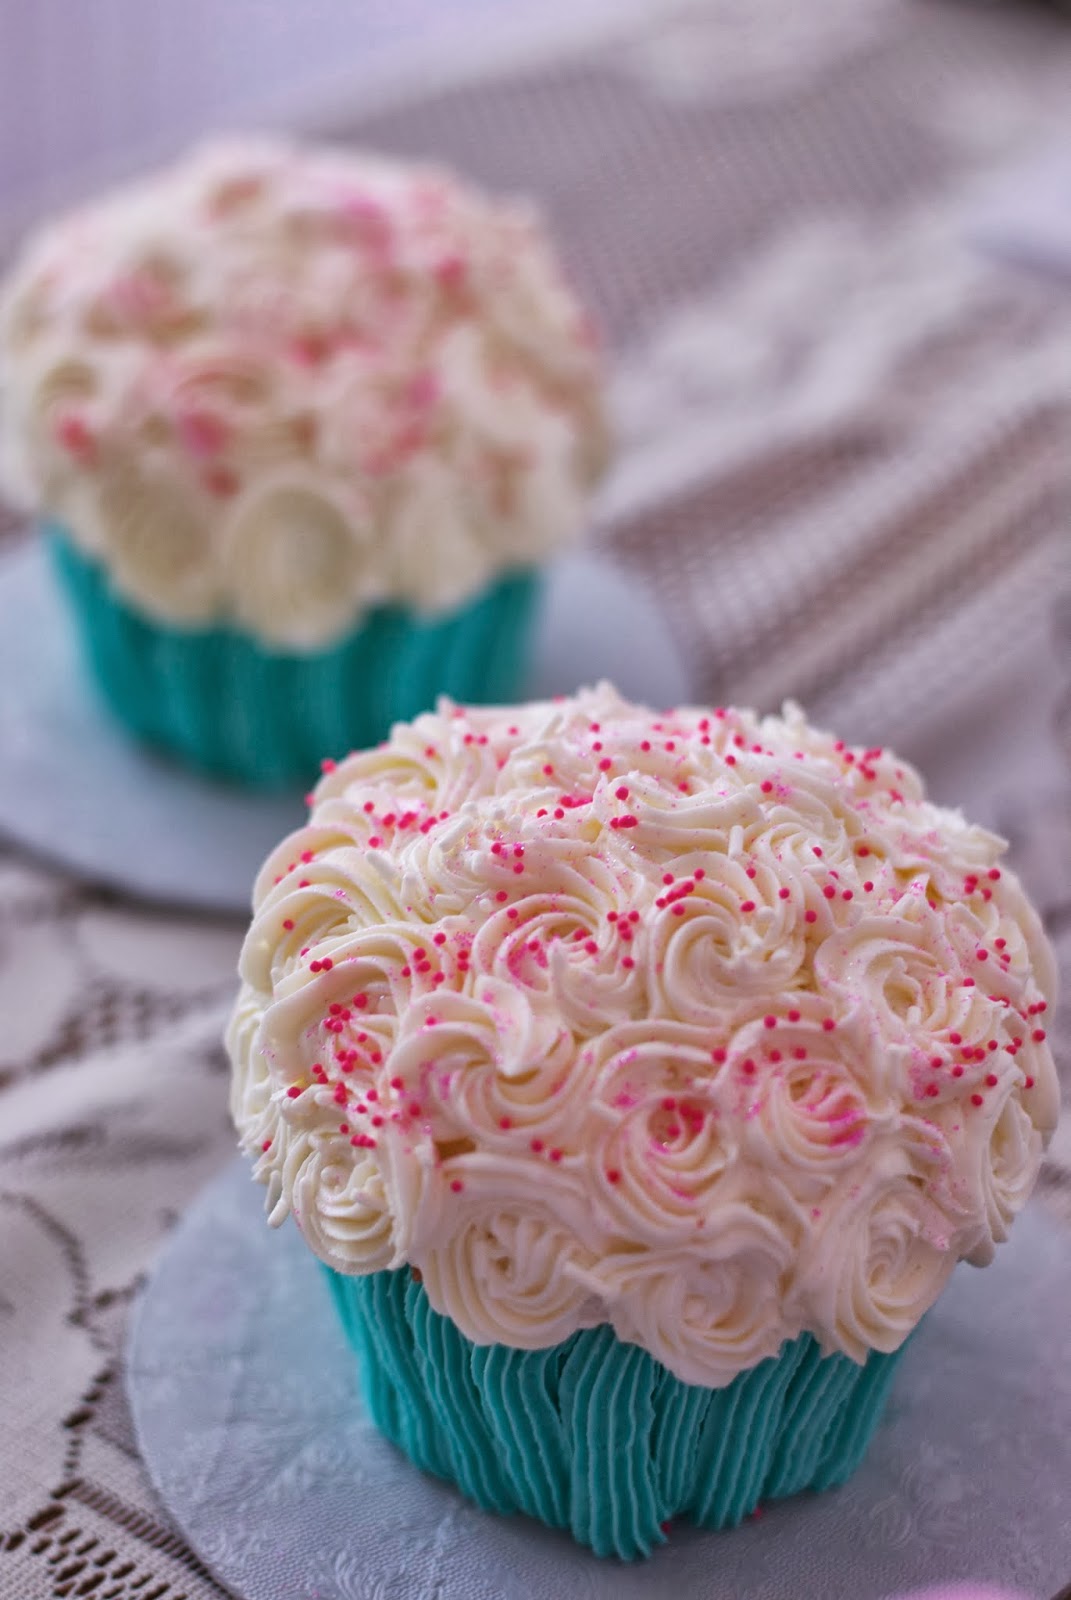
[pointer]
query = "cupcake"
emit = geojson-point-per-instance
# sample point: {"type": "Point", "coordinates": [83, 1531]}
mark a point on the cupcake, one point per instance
{"type": "Point", "coordinates": [639, 1081]}
{"type": "Point", "coordinates": [301, 427]}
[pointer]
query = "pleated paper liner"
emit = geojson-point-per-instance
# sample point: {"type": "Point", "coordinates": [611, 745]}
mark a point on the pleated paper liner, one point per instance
{"type": "Point", "coordinates": [595, 1435]}
{"type": "Point", "coordinates": [221, 703]}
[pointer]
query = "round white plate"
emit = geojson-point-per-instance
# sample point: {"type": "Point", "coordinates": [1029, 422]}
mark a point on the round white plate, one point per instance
{"type": "Point", "coordinates": [77, 790]}
{"type": "Point", "coordinates": [245, 1401]}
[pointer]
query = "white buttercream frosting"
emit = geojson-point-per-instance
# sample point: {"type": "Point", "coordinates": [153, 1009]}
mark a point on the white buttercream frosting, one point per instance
{"type": "Point", "coordinates": [699, 1024]}
{"type": "Point", "coordinates": [276, 385]}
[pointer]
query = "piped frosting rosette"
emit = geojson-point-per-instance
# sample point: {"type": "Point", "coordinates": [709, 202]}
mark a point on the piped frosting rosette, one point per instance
{"type": "Point", "coordinates": [705, 1026]}
{"type": "Point", "coordinates": [276, 386]}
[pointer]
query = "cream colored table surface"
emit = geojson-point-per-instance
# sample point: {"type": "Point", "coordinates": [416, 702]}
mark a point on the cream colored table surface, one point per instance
{"type": "Point", "coordinates": [845, 442]}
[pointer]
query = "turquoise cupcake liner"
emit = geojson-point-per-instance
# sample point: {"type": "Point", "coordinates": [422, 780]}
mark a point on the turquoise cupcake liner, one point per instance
{"type": "Point", "coordinates": [219, 701]}
{"type": "Point", "coordinates": [595, 1435]}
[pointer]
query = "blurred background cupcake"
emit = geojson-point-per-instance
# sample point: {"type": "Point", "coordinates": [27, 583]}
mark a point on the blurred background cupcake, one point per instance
{"type": "Point", "coordinates": [301, 427]}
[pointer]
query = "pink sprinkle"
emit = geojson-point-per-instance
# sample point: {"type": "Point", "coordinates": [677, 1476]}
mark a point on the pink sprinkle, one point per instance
{"type": "Point", "coordinates": [810, 916]}
{"type": "Point", "coordinates": [1038, 1035]}
{"type": "Point", "coordinates": [203, 434]}
{"type": "Point", "coordinates": [536, 1145]}
{"type": "Point", "coordinates": [828, 1024]}
{"type": "Point", "coordinates": [293, 1092]}
{"type": "Point", "coordinates": [717, 1055]}
{"type": "Point", "coordinates": [783, 894]}
{"type": "Point", "coordinates": [76, 437]}
{"type": "Point", "coordinates": [766, 786]}
{"type": "Point", "coordinates": [288, 924]}
{"type": "Point", "coordinates": [746, 905]}
{"type": "Point", "coordinates": [457, 1186]}
{"type": "Point", "coordinates": [769, 1021]}
{"type": "Point", "coordinates": [621, 792]}
{"type": "Point", "coordinates": [612, 1175]}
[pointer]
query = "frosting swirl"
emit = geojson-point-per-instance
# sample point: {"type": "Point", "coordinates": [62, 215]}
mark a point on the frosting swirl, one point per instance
{"type": "Point", "coordinates": [274, 386]}
{"type": "Point", "coordinates": [702, 1025]}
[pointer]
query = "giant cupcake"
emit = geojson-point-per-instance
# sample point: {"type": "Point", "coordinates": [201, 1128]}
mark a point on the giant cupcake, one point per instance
{"type": "Point", "coordinates": [639, 1081]}
{"type": "Point", "coordinates": [302, 426]}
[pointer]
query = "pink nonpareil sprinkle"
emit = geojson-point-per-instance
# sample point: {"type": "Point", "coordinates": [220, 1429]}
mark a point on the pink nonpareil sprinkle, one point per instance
{"type": "Point", "coordinates": [77, 437]}
{"type": "Point", "coordinates": [202, 433]}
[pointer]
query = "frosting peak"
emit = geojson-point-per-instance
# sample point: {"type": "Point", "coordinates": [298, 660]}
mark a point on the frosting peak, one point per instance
{"type": "Point", "coordinates": [700, 1024]}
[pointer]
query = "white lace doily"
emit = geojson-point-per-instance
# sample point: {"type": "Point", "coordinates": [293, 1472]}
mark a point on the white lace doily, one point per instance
{"type": "Point", "coordinates": [77, 790]}
{"type": "Point", "coordinates": [245, 1401]}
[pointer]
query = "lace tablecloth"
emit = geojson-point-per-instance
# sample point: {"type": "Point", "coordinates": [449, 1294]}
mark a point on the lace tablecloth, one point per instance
{"type": "Point", "coordinates": [845, 449]}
